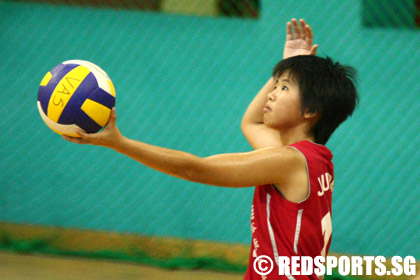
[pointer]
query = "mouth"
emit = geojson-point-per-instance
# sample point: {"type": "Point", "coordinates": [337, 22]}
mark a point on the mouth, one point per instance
{"type": "Point", "coordinates": [266, 109]}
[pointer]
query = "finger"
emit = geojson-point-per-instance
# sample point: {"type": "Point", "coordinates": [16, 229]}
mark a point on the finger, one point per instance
{"type": "Point", "coordinates": [303, 29]}
{"type": "Point", "coordinates": [289, 35]}
{"type": "Point", "coordinates": [296, 28]}
{"type": "Point", "coordinates": [74, 139]}
{"type": "Point", "coordinates": [309, 35]}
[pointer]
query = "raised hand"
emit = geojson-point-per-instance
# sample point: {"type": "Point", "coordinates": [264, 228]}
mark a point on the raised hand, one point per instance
{"type": "Point", "coordinates": [299, 42]}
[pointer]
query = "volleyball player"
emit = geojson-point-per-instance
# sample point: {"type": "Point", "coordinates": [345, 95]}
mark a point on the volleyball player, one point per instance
{"type": "Point", "coordinates": [288, 124]}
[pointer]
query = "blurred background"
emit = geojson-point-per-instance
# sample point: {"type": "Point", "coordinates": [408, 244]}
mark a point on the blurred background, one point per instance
{"type": "Point", "coordinates": [184, 73]}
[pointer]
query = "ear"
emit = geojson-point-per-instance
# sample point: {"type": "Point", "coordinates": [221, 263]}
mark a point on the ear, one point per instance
{"type": "Point", "coordinates": [311, 115]}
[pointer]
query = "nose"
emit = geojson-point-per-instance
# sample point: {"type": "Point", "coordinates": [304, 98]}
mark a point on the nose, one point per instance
{"type": "Point", "coordinates": [271, 96]}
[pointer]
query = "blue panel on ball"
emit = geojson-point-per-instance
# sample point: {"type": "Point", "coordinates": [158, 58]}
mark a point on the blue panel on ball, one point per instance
{"type": "Point", "coordinates": [44, 92]}
{"type": "Point", "coordinates": [86, 123]}
{"type": "Point", "coordinates": [102, 97]}
{"type": "Point", "coordinates": [73, 113]}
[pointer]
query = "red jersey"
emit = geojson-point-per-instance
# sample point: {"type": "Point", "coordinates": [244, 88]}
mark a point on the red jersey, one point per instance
{"type": "Point", "coordinates": [284, 228]}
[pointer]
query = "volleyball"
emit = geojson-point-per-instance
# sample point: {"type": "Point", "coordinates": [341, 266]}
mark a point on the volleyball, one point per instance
{"type": "Point", "coordinates": [76, 94]}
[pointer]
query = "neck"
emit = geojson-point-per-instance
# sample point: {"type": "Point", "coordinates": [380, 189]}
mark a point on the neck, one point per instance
{"type": "Point", "coordinates": [291, 136]}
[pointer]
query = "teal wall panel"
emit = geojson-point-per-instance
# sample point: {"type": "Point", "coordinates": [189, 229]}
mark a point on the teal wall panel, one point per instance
{"type": "Point", "coordinates": [389, 13]}
{"type": "Point", "coordinates": [184, 83]}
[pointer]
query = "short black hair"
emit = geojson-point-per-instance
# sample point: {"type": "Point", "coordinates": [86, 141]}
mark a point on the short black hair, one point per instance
{"type": "Point", "coordinates": [326, 88]}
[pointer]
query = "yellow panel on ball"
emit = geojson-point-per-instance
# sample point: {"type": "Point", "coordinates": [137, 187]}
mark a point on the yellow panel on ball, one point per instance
{"type": "Point", "coordinates": [97, 112]}
{"type": "Point", "coordinates": [46, 79]}
{"type": "Point", "coordinates": [111, 86]}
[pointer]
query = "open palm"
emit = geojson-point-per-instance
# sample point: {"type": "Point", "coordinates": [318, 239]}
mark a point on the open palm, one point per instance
{"type": "Point", "coordinates": [299, 42]}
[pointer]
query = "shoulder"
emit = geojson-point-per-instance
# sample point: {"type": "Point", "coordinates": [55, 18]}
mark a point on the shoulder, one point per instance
{"type": "Point", "coordinates": [288, 159]}
{"type": "Point", "coordinates": [292, 182]}
{"type": "Point", "coordinates": [286, 153]}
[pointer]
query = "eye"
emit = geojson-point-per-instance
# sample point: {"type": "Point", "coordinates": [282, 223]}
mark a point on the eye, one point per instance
{"type": "Point", "coordinates": [284, 88]}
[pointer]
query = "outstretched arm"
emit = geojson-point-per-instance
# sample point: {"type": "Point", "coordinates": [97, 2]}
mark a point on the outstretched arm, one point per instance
{"type": "Point", "coordinates": [265, 166]}
{"type": "Point", "coordinates": [253, 127]}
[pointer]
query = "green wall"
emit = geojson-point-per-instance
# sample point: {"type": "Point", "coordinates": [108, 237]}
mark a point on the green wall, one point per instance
{"type": "Point", "coordinates": [184, 83]}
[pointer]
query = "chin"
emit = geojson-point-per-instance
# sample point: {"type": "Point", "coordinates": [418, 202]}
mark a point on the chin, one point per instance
{"type": "Point", "coordinates": [267, 124]}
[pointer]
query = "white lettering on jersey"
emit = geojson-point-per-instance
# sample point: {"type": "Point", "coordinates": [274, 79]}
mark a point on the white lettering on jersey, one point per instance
{"type": "Point", "coordinates": [256, 246]}
{"type": "Point", "coordinates": [253, 227]}
{"type": "Point", "coordinates": [326, 183]}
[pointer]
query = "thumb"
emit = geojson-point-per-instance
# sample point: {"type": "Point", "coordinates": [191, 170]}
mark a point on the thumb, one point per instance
{"type": "Point", "coordinates": [112, 117]}
{"type": "Point", "coordinates": [313, 50]}
{"type": "Point", "coordinates": [83, 135]}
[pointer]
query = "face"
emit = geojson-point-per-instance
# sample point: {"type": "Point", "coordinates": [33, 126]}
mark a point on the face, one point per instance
{"type": "Point", "coordinates": [283, 108]}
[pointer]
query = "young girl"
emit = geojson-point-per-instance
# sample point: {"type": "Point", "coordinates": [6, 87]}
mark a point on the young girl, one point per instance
{"type": "Point", "coordinates": [287, 123]}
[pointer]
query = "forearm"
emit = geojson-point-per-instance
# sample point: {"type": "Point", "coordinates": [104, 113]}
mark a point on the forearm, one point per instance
{"type": "Point", "coordinates": [172, 162]}
{"type": "Point", "coordinates": [214, 170]}
{"type": "Point", "coordinates": [253, 127]}
{"type": "Point", "coordinates": [254, 113]}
